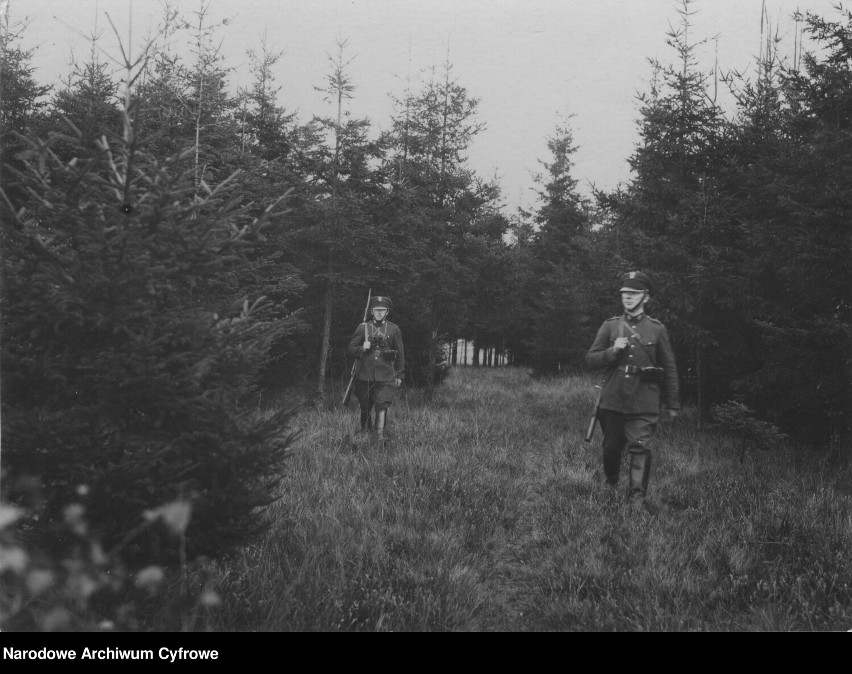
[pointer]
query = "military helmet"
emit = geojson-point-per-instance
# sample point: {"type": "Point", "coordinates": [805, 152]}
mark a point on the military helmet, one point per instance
{"type": "Point", "coordinates": [380, 301]}
{"type": "Point", "coordinates": [635, 281]}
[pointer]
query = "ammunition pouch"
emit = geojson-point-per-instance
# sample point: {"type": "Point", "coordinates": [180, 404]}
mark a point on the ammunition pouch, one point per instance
{"type": "Point", "coordinates": [389, 355]}
{"type": "Point", "coordinates": [651, 374]}
{"type": "Point", "coordinates": [648, 374]}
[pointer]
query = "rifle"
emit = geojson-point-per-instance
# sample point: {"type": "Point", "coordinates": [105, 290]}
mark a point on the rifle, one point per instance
{"type": "Point", "coordinates": [590, 430]}
{"type": "Point", "coordinates": [348, 394]}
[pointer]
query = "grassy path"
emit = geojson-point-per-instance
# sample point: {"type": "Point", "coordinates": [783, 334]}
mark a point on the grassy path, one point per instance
{"type": "Point", "coordinates": [485, 513]}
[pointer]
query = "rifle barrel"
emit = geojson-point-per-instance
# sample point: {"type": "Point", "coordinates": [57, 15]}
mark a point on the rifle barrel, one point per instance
{"type": "Point", "coordinates": [348, 394]}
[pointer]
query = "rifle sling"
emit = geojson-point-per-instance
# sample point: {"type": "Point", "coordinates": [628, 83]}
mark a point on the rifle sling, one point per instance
{"type": "Point", "coordinates": [639, 339]}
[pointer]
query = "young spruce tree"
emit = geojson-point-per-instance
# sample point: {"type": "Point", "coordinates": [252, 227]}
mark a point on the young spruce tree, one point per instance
{"type": "Point", "coordinates": [128, 370]}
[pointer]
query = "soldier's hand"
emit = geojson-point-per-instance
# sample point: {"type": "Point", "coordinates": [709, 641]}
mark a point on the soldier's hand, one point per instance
{"type": "Point", "coordinates": [366, 345]}
{"type": "Point", "coordinates": [398, 382]}
{"type": "Point", "coordinates": [620, 343]}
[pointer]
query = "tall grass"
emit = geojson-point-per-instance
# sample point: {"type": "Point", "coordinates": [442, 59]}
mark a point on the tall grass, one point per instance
{"type": "Point", "coordinates": [485, 512]}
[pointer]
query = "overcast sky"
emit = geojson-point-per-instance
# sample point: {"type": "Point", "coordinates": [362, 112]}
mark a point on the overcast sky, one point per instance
{"type": "Point", "coordinates": [527, 61]}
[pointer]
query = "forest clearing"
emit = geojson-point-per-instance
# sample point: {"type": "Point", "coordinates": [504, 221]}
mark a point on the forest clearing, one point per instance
{"type": "Point", "coordinates": [485, 513]}
{"type": "Point", "coordinates": [186, 257]}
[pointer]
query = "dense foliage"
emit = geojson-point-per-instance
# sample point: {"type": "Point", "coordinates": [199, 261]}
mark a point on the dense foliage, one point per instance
{"type": "Point", "coordinates": [128, 355]}
{"type": "Point", "coordinates": [131, 351]}
{"type": "Point", "coordinates": [745, 224]}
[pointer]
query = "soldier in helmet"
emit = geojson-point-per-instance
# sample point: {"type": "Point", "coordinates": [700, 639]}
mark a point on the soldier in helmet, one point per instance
{"type": "Point", "coordinates": [641, 381]}
{"type": "Point", "coordinates": [377, 344]}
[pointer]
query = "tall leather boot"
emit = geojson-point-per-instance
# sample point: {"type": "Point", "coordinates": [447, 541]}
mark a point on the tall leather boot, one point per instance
{"type": "Point", "coordinates": [638, 476]}
{"type": "Point", "coordinates": [612, 426]}
{"type": "Point", "coordinates": [366, 422]}
{"type": "Point", "coordinates": [381, 418]}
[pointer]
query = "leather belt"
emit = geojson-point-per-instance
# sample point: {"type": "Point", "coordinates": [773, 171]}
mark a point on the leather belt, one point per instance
{"type": "Point", "coordinates": [632, 369]}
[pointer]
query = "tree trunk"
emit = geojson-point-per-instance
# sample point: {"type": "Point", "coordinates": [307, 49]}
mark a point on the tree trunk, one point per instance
{"type": "Point", "coordinates": [701, 388]}
{"type": "Point", "coordinates": [433, 345]}
{"type": "Point", "coordinates": [335, 217]}
{"type": "Point", "coordinates": [325, 341]}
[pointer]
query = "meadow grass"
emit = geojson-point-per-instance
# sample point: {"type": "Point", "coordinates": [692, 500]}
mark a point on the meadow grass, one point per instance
{"type": "Point", "coordinates": [485, 512]}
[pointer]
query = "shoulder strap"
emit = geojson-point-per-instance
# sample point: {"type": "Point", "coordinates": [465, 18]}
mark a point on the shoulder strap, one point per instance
{"type": "Point", "coordinates": [377, 331]}
{"type": "Point", "coordinates": [639, 339]}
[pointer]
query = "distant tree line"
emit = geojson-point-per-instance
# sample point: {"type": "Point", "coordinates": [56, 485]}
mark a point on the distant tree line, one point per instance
{"type": "Point", "coordinates": [173, 249]}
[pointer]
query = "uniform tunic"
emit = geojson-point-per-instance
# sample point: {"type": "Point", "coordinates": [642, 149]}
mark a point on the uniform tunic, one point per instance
{"type": "Point", "coordinates": [648, 345]}
{"type": "Point", "coordinates": [385, 360]}
{"type": "Point", "coordinates": [379, 366]}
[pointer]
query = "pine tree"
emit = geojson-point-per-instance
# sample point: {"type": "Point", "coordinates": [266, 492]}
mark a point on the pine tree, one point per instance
{"type": "Point", "coordinates": [188, 105]}
{"type": "Point", "coordinates": [129, 374]}
{"type": "Point", "coordinates": [339, 88]}
{"type": "Point", "coordinates": [265, 125]}
{"type": "Point", "coordinates": [558, 308]}
{"type": "Point", "coordinates": [789, 178]}
{"type": "Point", "coordinates": [269, 163]}
{"type": "Point", "coordinates": [337, 240]}
{"type": "Point", "coordinates": [443, 205]}
{"type": "Point", "coordinates": [21, 97]}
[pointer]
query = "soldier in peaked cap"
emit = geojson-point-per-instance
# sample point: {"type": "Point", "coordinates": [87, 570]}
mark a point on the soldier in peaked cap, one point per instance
{"type": "Point", "coordinates": [377, 344]}
{"type": "Point", "coordinates": [641, 380]}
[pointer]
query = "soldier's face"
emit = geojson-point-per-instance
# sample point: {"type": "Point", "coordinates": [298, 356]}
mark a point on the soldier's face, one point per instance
{"type": "Point", "coordinates": [630, 300]}
{"type": "Point", "coordinates": [379, 313]}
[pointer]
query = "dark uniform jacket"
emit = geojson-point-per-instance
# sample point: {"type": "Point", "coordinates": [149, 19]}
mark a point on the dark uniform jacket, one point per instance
{"type": "Point", "coordinates": [624, 390]}
{"type": "Point", "coordinates": [385, 360]}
